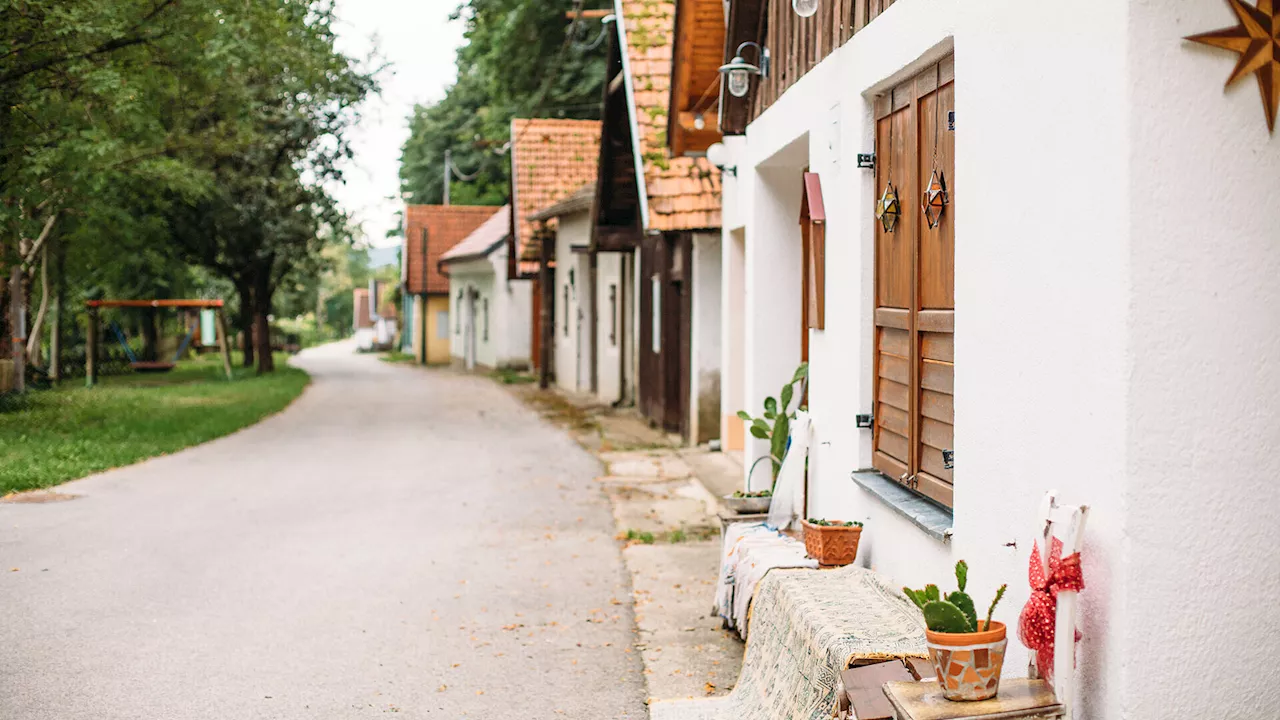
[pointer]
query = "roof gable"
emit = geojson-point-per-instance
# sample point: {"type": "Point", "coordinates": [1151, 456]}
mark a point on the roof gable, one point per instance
{"type": "Point", "coordinates": [483, 240]}
{"type": "Point", "coordinates": [442, 226]}
{"type": "Point", "coordinates": [550, 159]}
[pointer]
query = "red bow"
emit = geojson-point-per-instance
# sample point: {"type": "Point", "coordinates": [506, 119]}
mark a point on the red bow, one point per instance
{"type": "Point", "coordinates": [1039, 616]}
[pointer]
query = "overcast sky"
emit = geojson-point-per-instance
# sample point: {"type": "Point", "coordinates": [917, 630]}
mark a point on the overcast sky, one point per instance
{"type": "Point", "coordinates": [419, 42]}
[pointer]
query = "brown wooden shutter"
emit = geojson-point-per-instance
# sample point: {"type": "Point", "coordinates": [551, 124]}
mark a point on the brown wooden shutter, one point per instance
{"type": "Point", "coordinates": [915, 288]}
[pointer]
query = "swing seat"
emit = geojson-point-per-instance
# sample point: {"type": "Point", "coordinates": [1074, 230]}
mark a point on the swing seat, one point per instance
{"type": "Point", "coordinates": [152, 367]}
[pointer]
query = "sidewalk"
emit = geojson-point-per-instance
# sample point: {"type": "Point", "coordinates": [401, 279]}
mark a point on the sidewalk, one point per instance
{"type": "Point", "coordinates": [664, 504]}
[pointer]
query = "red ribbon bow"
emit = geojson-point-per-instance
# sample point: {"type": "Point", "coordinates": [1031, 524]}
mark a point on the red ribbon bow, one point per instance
{"type": "Point", "coordinates": [1039, 615]}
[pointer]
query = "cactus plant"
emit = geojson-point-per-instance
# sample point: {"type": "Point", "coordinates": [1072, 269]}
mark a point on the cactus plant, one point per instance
{"type": "Point", "coordinates": [776, 410]}
{"type": "Point", "coordinates": [956, 612]}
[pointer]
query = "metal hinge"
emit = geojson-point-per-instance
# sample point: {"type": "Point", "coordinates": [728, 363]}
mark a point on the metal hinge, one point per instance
{"type": "Point", "coordinates": [949, 459]}
{"type": "Point", "coordinates": [951, 120]}
{"type": "Point", "coordinates": [867, 161]}
{"type": "Point", "coordinates": [865, 421]}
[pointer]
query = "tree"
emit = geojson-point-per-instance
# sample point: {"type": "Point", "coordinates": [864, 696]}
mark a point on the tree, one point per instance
{"type": "Point", "coordinates": [520, 59]}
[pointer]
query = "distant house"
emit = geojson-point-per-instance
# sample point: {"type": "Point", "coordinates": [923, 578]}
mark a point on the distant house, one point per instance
{"type": "Point", "coordinates": [550, 159]}
{"type": "Point", "coordinates": [491, 315]}
{"type": "Point", "coordinates": [658, 218]}
{"type": "Point", "coordinates": [574, 345]}
{"type": "Point", "coordinates": [362, 319]}
{"type": "Point", "coordinates": [430, 231]}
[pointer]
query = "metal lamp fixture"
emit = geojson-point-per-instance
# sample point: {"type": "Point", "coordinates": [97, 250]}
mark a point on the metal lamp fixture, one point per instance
{"type": "Point", "coordinates": [738, 72]}
{"type": "Point", "coordinates": [805, 8]}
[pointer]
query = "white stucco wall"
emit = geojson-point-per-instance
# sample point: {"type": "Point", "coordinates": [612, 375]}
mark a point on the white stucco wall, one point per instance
{"type": "Point", "coordinates": [572, 340]}
{"type": "Point", "coordinates": [510, 305]}
{"type": "Point", "coordinates": [704, 344]}
{"type": "Point", "coordinates": [1117, 342]}
{"type": "Point", "coordinates": [609, 327]}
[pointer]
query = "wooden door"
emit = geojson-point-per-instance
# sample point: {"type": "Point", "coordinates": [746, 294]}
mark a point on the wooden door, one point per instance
{"type": "Point", "coordinates": [915, 287]}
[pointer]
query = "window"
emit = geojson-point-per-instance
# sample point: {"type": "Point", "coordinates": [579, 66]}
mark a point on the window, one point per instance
{"type": "Point", "coordinates": [613, 315]}
{"type": "Point", "coordinates": [657, 314]}
{"type": "Point", "coordinates": [915, 289]}
{"type": "Point", "coordinates": [485, 305]}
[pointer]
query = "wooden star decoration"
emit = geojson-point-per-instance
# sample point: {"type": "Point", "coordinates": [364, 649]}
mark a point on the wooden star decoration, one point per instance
{"type": "Point", "coordinates": [1257, 40]}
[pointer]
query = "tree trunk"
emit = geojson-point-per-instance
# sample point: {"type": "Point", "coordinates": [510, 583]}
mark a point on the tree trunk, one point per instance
{"type": "Point", "coordinates": [59, 302]}
{"type": "Point", "coordinates": [244, 323]}
{"type": "Point", "coordinates": [150, 336]}
{"type": "Point", "coordinates": [17, 325]}
{"type": "Point", "coordinates": [262, 324]}
{"type": "Point", "coordinates": [35, 343]}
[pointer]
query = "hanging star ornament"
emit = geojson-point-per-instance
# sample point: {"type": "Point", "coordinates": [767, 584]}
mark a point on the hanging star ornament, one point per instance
{"type": "Point", "coordinates": [934, 199]}
{"type": "Point", "coordinates": [888, 210]}
{"type": "Point", "coordinates": [1257, 40]}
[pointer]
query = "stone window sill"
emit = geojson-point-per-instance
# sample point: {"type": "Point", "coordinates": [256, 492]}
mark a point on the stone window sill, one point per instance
{"type": "Point", "coordinates": [933, 519]}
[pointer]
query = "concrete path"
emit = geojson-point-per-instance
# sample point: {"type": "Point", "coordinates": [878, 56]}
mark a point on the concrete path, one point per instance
{"type": "Point", "coordinates": [398, 541]}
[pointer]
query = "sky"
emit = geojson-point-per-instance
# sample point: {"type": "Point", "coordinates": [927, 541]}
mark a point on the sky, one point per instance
{"type": "Point", "coordinates": [417, 41]}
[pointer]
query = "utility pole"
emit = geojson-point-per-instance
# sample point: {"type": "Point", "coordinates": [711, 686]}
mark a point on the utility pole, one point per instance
{"type": "Point", "coordinates": [448, 171]}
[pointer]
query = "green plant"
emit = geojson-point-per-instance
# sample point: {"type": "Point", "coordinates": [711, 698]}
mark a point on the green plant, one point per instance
{"type": "Point", "coordinates": [677, 536]}
{"type": "Point", "coordinates": [753, 494]}
{"type": "Point", "coordinates": [834, 523]}
{"type": "Point", "coordinates": [775, 424]}
{"type": "Point", "coordinates": [954, 613]}
{"type": "Point", "coordinates": [640, 536]}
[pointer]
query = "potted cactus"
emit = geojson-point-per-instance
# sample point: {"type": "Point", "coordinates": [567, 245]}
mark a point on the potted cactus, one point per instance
{"type": "Point", "coordinates": [968, 653]}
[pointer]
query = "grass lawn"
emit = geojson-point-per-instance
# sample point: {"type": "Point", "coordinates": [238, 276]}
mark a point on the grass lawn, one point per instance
{"type": "Point", "coordinates": [54, 436]}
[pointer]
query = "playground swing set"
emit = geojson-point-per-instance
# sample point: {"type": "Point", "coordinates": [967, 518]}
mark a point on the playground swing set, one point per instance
{"type": "Point", "coordinates": [95, 322]}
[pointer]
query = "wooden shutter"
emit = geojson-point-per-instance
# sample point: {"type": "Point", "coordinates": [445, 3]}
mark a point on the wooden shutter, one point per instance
{"type": "Point", "coordinates": [915, 288]}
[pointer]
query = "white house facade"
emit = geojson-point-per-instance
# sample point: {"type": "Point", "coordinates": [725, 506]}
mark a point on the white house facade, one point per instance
{"type": "Point", "coordinates": [1097, 313]}
{"type": "Point", "coordinates": [490, 313]}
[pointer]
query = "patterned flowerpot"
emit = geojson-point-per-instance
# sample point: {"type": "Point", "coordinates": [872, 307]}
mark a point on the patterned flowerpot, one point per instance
{"type": "Point", "coordinates": [832, 544]}
{"type": "Point", "coordinates": [969, 664]}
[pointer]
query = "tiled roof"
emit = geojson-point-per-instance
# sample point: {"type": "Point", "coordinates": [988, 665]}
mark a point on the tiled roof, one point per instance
{"type": "Point", "coordinates": [549, 160]}
{"type": "Point", "coordinates": [446, 226]}
{"type": "Point", "coordinates": [484, 240]}
{"type": "Point", "coordinates": [683, 193]}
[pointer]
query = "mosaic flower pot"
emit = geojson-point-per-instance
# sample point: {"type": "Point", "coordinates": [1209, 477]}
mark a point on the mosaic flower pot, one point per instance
{"type": "Point", "coordinates": [832, 544]}
{"type": "Point", "coordinates": [968, 664]}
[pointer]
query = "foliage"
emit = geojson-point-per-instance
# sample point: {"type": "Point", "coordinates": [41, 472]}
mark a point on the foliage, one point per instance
{"type": "Point", "coordinates": [778, 411]}
{"type": "Point", "coordinates": [68, 433]}
{"type": "Point", "coordinates": [643, 537]}
{"type": "Point", "coordinates": [956, 612]}
{"type": "Point", "coordinates": [517, 61]}
{"type": "Point", "coordinates": [754, 494]}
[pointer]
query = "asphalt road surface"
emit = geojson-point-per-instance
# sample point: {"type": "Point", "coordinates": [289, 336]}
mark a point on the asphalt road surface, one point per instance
{"type": "Point", "coordinates": [398, 541]}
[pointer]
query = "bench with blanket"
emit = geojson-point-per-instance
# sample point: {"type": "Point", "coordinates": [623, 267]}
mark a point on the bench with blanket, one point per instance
{"type": "Point", "coordinates": [806, 627]}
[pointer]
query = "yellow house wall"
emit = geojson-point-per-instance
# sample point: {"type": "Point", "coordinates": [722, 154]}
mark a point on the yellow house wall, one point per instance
{"type": "Point", "coordinates": [437, 338]}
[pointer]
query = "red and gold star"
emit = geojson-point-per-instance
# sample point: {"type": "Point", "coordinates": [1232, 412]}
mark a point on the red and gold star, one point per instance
{"type": "Point", "coordinates": [1257, 40]}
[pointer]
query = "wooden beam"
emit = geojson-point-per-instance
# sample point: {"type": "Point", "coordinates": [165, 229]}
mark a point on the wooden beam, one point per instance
{"type": "Point", "coordinates": [588, 14]}
{"type": "Point", "coordinates": [91, 349]}
{"type": "Point", "coordinates": [616, 239]}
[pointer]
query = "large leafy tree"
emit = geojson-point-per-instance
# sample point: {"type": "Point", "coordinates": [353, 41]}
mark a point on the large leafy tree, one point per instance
{"type": "Point", "coordinates": [520, 59]}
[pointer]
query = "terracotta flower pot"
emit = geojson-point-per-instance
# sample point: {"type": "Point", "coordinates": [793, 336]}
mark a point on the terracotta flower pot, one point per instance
{"type": "Point", "coordinates": [832, 544]}
{"type": "Point", "coordinates": [969, 664]}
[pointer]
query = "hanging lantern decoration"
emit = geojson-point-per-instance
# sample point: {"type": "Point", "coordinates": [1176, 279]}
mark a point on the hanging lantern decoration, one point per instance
{"type": "Point", "coordinates": [935, 199]}
{"type": "Point", "coordinates": [805, 8]}
{"type": "Point", "coordinates": [888, 210]}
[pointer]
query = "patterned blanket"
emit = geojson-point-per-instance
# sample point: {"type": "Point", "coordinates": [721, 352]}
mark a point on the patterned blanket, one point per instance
{"type": "Point", "coordinates": [807, 626]}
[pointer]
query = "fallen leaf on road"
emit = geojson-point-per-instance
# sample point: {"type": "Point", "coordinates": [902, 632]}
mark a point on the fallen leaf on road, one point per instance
{"type": "Point", "coordinates": [709, 688]}
{"type": "Point", "coordinates": [457, 664]}
{"type": "Point", "coordinates": [442, 688]}
{"type": "Point", "coordinates": [479, 692]}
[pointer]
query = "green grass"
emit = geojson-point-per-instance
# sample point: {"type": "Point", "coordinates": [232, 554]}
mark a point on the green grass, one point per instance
{"type": "Point", "coordinates": [50, 437]}
{"type": "Point", "coordinates": [395, 356]}
{"type": "Point", "coordinates": [507, 376]}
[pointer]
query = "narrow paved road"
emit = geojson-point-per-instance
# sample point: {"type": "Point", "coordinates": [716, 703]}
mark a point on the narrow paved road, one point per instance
{"type": "Point", "coordinates": [398, 541]}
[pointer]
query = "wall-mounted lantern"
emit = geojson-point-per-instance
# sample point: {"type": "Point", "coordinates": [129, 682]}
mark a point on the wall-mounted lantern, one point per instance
{"type": "Point", "coordinates": [738, 72]}
{"type": "Point", "coordinates": [805, 8]}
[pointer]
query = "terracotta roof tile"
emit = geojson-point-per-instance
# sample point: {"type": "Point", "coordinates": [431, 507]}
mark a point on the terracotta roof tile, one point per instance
{"type": "Point", "coordinates": [484, 239]}
{"type": "Point", "coordinates": [683, 193]}
{"type": "Point", "coordinates": [446, 226]}
{"type": "Point", "coordinates": [550, 159]}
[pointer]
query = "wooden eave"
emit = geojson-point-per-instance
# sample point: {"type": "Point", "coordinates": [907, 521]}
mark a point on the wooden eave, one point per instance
{"type": "Point", "coordinates": [699, 47]}
{"type": "Point", "coordinates": [617, 191]}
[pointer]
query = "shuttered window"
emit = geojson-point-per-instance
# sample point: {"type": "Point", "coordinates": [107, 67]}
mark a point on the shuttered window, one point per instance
{"type": "Point", "coordinates": [915, 288]}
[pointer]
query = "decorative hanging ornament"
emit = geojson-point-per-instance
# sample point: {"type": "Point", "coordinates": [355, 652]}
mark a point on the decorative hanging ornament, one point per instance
{"type": "Point", "coordinates": [888, 210]}
{"type": "Point", "coordinates": [1038, 620]}
{"type": "Point", "coordinates": [1257, 40]}
{"type": "Point", "coordinates": [935, 199]}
